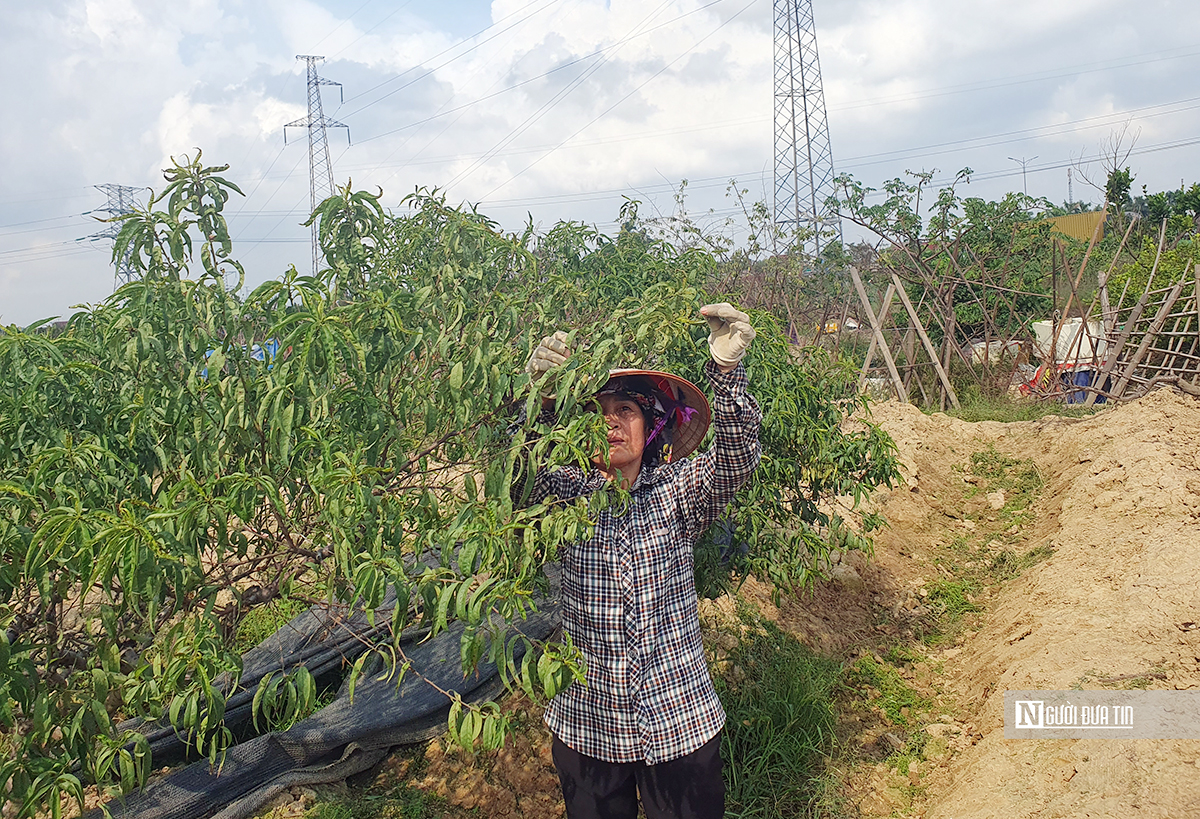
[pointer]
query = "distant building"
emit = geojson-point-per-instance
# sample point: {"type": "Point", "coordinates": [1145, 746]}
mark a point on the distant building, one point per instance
{"type": "Point", "coordinates": [1079, 226]}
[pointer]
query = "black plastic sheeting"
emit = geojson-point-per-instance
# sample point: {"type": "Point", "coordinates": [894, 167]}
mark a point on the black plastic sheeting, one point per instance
{"type": "Point", "coordinates": [322, 638]}
{"type": "Point", "coordinates": [338, 741]}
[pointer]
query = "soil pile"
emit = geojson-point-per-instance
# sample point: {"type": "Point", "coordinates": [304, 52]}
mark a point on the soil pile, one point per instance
{"type": "Point", "coordinates": [1115, 603]}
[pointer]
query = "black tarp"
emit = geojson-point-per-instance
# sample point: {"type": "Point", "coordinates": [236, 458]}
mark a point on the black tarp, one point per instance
{"type": "Point", "coordinates": [342, 738]}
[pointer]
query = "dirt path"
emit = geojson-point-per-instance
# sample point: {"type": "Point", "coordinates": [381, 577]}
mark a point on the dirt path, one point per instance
{"type": "Point", "coordinates": [1102, 591]}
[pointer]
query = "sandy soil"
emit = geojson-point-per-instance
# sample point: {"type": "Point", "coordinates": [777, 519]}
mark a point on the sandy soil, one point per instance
{"type": "Point", "coordinates": [1117, 601]}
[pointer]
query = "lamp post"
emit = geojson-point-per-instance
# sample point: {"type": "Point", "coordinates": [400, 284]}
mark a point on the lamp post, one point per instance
{"type": "Point", "coordinates": [1023, 162]}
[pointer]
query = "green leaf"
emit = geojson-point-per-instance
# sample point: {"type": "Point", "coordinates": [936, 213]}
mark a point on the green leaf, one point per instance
{"type": "Point", "coordinates": [355, 673]}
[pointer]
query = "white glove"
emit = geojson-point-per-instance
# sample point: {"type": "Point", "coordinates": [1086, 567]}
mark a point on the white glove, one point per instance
{"type": "Point", "coordinates": [551, 352]}
{"type": "Point", "coordinates": [730, 333]}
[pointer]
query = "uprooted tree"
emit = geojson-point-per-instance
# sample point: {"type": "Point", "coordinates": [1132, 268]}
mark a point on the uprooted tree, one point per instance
{"type": "Point", "coordinates": [180, 455]}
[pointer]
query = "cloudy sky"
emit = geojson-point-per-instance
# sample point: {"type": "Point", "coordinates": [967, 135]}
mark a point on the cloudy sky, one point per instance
{"type": "Point", "coordinates": [553, 109]}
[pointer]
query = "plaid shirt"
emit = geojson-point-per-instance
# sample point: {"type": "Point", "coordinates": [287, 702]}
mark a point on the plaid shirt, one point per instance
{"type": "Point", "coordinates": [629, 596]}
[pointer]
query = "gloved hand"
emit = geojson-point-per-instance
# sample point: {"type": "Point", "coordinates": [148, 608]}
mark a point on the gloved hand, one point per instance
{"type": "Point", "coordinates": [551, 352]}
{"type": "Point", "coordinates": [729, 335]}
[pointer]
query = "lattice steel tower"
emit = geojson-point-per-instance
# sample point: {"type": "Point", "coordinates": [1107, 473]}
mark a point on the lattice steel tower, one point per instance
{"type": "Point", "coordinates": [320, 169]}
{"type": "Point", "coordinates": [120, 201]}
{"type": "Point", "coordinates": [803, 154]}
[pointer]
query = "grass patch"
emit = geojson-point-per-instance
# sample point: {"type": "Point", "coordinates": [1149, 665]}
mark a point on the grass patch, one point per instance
{"type": "Point", "coordinates": [1093, 679]}
{"type": "Point", "coordinates": [990, 552]}
{"type": "Point", "coordinates": [781, 721]}
{"type": "Point", "coordinates": [953, 598]}
{"type": "Point", "coordinates": [388, 798]}
{"type": "Point", "coordinates": [263, 621]}
{"type": "Point", "coordinates": [1017, 478]}
{"type": "Point", "coordinates": [401, 803]}
{"type": "Point", "coordinates": [977, 407]}
{"type": "Point", "coordinates": [1002, 472]}
{"type": "Point", "coordinates": [987, 554]}
{"type": "Point", "coordinates": [882, 684]}
{"type": "Point", "coordinates": [1007, 564]}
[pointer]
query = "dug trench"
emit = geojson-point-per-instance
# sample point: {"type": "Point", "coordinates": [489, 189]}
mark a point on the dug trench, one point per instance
{"type": "Point", "coordinates": [1052, 554]}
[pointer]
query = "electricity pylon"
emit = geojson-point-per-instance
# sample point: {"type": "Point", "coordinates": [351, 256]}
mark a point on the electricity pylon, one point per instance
{"type": "Point", "coordinates": [120, 201]}
{"type": "Point", "coordinates": [320, 169]}
{"type": "Point", "coordinates": [803, 154]}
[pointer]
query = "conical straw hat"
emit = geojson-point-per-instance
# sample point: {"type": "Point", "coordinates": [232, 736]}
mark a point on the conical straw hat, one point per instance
{"type": "Point", "coordinates": [689, 433]}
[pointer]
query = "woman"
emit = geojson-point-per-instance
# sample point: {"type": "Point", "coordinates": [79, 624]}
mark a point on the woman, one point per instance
{"type": "Point", "coordinates": [648, 720]}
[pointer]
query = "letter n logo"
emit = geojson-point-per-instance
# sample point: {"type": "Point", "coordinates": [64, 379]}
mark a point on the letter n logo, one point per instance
{"type": "Point", "coordinates": [1029, 713]}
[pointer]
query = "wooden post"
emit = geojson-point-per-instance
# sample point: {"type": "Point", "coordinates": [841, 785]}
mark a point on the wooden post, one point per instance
{"type": "Point", "coordinates": [1106, 313]}
{"type": "Point", "coordinates": [878, 331]}
{"type": "Point", "coordinates": [883, 316]}
{"type": "Point", "coordinates": [1076, 345]}
{"type": "Point", "coordinates": [908, 347]}
{"type": "Point", "coordinates": [1079, 277]}
{"type": "Point", "coordinates": [842, 325]}
{"type": "Point", "coordinates": [1176, 338]}
{"type": "Point", "coordinates": [1196, 295]}
{"type": "Point", "coordinates": [1160, 319]}
{"type": "Point", "coordinates": [949, 342]}
{"type": "Point", "coordinates": [1115, 350]}
{"type": "Point", "coordinates": [1134, 317]}
{"type": "Point", "coordinates": [929, 348]}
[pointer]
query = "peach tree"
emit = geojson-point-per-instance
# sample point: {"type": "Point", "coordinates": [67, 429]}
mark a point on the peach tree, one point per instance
{"type": "Point", "coordinates": [186, 452]}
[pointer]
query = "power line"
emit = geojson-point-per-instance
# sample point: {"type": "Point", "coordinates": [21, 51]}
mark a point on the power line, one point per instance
{"type": "Point", "coordinates": [549, 104]}
{"type": "Point", "coordinates": [562, 66]}
{"type": "Point", "coordinates": [338, 27]}
{"type": "Point", "coordinates": [534, 149]}
{"type": "Point", "coordinates": [638, 88]}
{"type": "Point", "coordinates": [1054, 129]}
{"type": "Point", "coordinates": [383, 20]}
{"type": "Point", "coordinates": [447, 62]}
{"type": "Point", "coordinates": [274, 193]}
{"type": "Point", "coordinates": [1014, 80]}
{"type": "Point", "coordinates": [67, 243]}
{"type": "Point", "coordinates": [1059, 164]}
{"type": "Point", "coordinates": [698, 183]}
{"type": "Point", "coordinates": [41, 229]}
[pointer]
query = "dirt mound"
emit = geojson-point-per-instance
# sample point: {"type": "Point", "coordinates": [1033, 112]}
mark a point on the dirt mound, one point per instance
{"type": "Point", "coordinates": [1115, 603]}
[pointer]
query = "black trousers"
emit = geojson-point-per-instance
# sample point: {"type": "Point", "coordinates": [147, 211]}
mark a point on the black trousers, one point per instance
{"type": "Point", "coordinates": [690, 787]}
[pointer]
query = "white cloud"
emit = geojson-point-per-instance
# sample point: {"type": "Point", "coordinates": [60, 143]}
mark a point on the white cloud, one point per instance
{"type": "Point", "coordinates": [111, 88]}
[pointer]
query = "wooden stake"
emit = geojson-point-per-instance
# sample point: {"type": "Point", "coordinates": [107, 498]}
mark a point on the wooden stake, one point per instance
{"type": "Point", "coordinates": [883, 314]}
{"type": "Point", "coordinates": [949, 343]}
{"type": "Point", "coordinates": [1177, 338]}
{"type": "Point", "coordinates": [1135, 315]}
{"type": "Point", "coordinates": [929, 348]}
{"type": "Point", "coordinates": [1115, 350]}
{"type": "Point", "coordinates": [1075, 286]}
{"type": "Point", "coordinates": [1160, 318]}
{"type": "Point", "coordinates": [908, 350]}
{"type": "Point", "coordinates": [1106, 312]}
{"type": "Point", "coordinates": [878, 331]}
